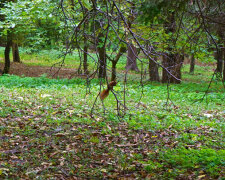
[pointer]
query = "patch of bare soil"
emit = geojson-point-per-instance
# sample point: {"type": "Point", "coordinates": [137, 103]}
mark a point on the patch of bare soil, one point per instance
{"type": "Point", "coordinates": [21, 69]}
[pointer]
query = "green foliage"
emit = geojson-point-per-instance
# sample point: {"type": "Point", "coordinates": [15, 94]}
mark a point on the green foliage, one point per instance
{"type": "Point", "coordinates": [32, 23]}
{"type": "Point", "coordinates": [152, 9]}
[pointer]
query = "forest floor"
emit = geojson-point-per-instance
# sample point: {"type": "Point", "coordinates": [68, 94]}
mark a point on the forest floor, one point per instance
{"type": "Point", "coordinates": [48, 131]}
{"type": "Point", "coordinates": [68, 71]}
{"type": "Point", "coordinates": [21, 69]}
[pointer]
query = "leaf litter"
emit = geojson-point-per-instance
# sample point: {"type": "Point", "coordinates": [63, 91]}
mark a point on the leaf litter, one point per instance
{"type": "Point", "coordinates": [41, 139]}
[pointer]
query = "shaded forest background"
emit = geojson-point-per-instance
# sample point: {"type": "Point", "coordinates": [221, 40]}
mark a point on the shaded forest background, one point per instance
{"type": "Point", "coordinates": [154, 36]}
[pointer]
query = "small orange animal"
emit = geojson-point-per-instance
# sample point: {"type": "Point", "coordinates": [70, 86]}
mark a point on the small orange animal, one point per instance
{"type": "Point", "coordinates": [105, 92]}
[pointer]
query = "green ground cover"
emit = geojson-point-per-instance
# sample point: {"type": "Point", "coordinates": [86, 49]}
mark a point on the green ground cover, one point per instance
{"type": "Point", "coordinates": [47, 131]}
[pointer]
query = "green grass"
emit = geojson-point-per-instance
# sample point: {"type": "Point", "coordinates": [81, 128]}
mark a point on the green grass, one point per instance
{"type": "Point", "coordinates": [47, 131]}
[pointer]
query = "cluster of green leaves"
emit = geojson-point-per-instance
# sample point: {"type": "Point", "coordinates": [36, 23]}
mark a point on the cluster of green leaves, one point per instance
{"type": "Point", "coordinates": [33, 23]}
{"type": "Point", "coordinates": [151, 24]}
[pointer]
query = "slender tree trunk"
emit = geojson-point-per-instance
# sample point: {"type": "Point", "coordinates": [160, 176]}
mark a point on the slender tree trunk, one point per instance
{"type": "Point", "coordinates": [113, 76]}
{"type": "Point", "coordinates": [224, 61]}
{"type": "Point", "coordinates": [102, 57]}
{"type": "Point", "coordinates": [7, 53]}
{"type": "Point", "coordinates": [224, 71]}
{"type": "Point", "coordinates": [153, 71]}
{"type": "Point", "coordinates": [219, 53]}
{"type": "Point", "coordinates": [169, 59]}
{"type": "Point", "coordinates": [85, 55]}
{"type": "Point", "coordinates": [132, 50]}
{"type": "Point", "coordinates": [115, 61]}
{"type": "Point", "coordinates": [192, 64]}
{"type": "Point", "coordinates": [132, 58]}
{"type": "Point", "coordinates": [219, 58]}
{"type": "Point", "coordinates": [164, 72]}
{"type": "Point", "coordinates": [15, 51]}
{"type": "Point", "coordinates": [177, 68]}
{"type": "Point", "coordinates": [102, 63]}
{"type": "Point", "coordinates": [85, 63]}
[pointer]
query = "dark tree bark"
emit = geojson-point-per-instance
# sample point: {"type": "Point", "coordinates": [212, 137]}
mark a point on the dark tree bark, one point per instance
{"type": "Point", "coordinates": [153, 71]}
{"type": "Point", "coordinates": [7, 54]}
{"type": "Point", "coordinates": [224, 61]}
{"type": "Point", "coordinates": [219, 53]}
{"type": "Point", "coordinates": [2, 43]}
{"type": "Point", "coordinates": [224, 71]}
{"type": "Point", "coordinates": [219, 59]}
{"type": "Point", "coordinates": [85, 53]}
{"type": "Point", "coordinates": [132, 58]}
{"type": "Point", "coordinates": [132, 50]}
{"type": "Point", "coordinates": [171, 61]}
{"type": "Point", "coordinates": [192, 64]}
{"type": "Point", "coordinates": [15, 51]}
{"type": "Point", "coordinates": [102, 57]}
{"type": "Point", "coordinates": [113, 76]}
{"type": "Point", "coordinates": [85, 63]}
{"type": "Point", "coordinates": [115, 61]}
{"type": "Point", "coordinates": [177, 68]}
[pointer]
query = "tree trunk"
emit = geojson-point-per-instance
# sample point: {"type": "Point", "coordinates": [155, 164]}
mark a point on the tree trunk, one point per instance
{"type": "Point", "coordinates": [153, 71]}
{"type": "Point", "coordinates": [224, 71]}
{"type": "Point", "coordinates": [132, 51]}
{"type": "Point", "coordinates": [132, 58]}
{"type": "Point", "coordinates": [192, 64]}
{"type": "Point", "coordinates": [173, 64]}
{"type": "Point", "coordinates": [85, 63]}
{"type": "Point", "coordinates": [115, 61]}
{"type": "Point", "coordinates": [219, 59]}
{"type": "Point", "coordinates": [7, 53]}
{"type": "Point", "coordinates": [15, 51]}
{"type": "Point", "coordinates": [224, 61]}
{"type": "Point", "coordinates": [85, 55]}
{"type": "Point", "coordinates": [168, 63]}
{"type": "Point", "coordinates": [164, 72]}
{"type": "Point", "coordinates": [177, 68]}
{"type": "Point", "coordinates": [113, 76]}
{"type": "Point", "coordinates": [172, 61]}
{"type": "Point", "coordinates": [219, 53]}
{"type": "Point", "coordinates": [102, 57]}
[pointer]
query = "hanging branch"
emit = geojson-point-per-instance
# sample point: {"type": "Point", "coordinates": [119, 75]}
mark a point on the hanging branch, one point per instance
{"type": "Point", "coordinates": [138, 43]}
{"type": "Point", "coordinates": [217, 49]}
